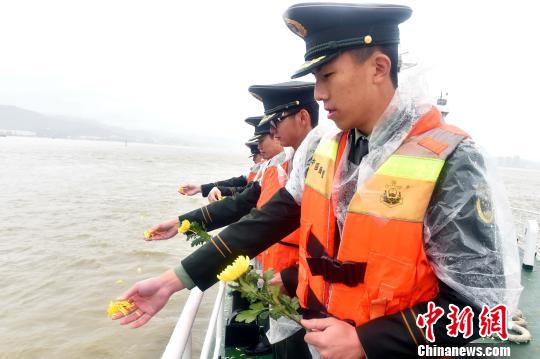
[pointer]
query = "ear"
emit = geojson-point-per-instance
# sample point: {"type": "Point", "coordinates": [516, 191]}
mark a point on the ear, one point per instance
{"type": "Point", "coordinates": [382, 65]}
{"type": "Point", "coordinates": [305, 120]}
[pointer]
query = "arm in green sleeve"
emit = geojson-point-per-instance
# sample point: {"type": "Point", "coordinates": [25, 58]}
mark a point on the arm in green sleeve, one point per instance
{"type": "Point", "coordinates": [229, 210]}
{"type": "Point", "coordinates": [184, 277]}
{"type": "Point", "coordinates": [230, 191]}
{"type": "Point", "coordinates": [251, 235]}
{"type": "Point", "coordinates": [239, 181]}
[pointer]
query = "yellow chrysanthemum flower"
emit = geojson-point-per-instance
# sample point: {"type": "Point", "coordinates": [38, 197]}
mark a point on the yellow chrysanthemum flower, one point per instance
{"type": "Point", "coordinates": [235, 270]}
{"type": "Point", "coordinates": [147, 234]}
{"type": "Point", "coordinates": [184, 227]}
{"type": "Point", "coordinates": [116, 306]}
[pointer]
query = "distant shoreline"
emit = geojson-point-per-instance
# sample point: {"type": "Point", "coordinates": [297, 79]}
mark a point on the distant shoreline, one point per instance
{"type": "Point", "coordinates": [210, 145]}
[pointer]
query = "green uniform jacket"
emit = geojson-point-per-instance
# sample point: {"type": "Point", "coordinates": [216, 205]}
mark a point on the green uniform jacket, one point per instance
{"type": "Point", "coordinates": [236, 182]}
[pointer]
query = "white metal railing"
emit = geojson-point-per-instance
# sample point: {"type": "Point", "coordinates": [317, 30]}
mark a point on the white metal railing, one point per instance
{"type": "Point", "coordinates": [216, 319]}
{"type": "Point", "coordinates": [179, 345]}
{"type": "Point", "coordinates": [521, 216]}
{"type": "Point", "coordinates": [530, 243]}
{"type": "Point", "coordinates": [526, 223]}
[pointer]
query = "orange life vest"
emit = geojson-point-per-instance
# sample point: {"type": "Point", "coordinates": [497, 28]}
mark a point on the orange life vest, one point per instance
{"type": "Point", "coordinates": [284, 253]}
{"type": "Point", "coordinates": [253, 171]}
{"type": "Point", "coordinates": [380, 266]}
{"type": "Point", "coordinates": [251, 176]}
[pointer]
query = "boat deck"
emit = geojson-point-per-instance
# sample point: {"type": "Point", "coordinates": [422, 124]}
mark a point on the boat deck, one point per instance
{"type": "Point", "coordinates": [231, 353]}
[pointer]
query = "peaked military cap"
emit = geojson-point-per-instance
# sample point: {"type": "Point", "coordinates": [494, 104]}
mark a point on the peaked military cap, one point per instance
{"type": "Point", "coordinates": [253, 147]}
{"type": "Point", "coordinates": [253, 120]}
{"type": "Point", "coordinates": [262, 129]}
{"type": "Point", "coordinates": [329, 28]}
{"type": "Point", "coordinates": [281, 97]}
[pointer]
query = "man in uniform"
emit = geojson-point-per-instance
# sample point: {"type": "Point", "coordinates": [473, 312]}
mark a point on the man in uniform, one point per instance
{"type": "Point", "coordinates": [225, 189]}
{"type": "Point", "coordinates": [291, 113]}
{"type": "Point", "coordinates": [233, 184]}
{"type": "Point", "coordinates": [267, 146]}
{"type": "Point", "coordinates": [397, 210]}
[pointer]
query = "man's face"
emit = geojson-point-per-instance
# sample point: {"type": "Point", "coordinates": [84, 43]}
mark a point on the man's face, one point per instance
{"type": "Point", "coordinates": [257, 158]}
{"type": "Point", "coordinates": [269, 147]}
{"type": "Point", "coordinates": [346, 90]}
{"type": "Point", "coordinates": [288, 129]}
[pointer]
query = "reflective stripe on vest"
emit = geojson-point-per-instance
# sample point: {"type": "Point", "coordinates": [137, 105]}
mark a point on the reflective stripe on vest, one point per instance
{"type": "Point", "coordinates": [322, 167]}
{"type": "Point", "coordinates": [284, 253]}
{"type": "Point", "coordinates": [381, 267]}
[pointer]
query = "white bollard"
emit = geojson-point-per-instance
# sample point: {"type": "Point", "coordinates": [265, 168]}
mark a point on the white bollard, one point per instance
{"type": "Point", "coordinates": [531, 238]}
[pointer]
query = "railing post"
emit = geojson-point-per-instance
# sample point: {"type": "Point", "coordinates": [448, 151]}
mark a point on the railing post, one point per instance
{"type": "Point", "coordinates": [212, 322]}
{"type": "Point", "coordinates": [531, 239]}
{"type": "Point", "coordinates": [182, 330]}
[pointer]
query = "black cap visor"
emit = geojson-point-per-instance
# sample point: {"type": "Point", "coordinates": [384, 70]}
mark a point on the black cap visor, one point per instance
{"type": "Point", "coordinates": [313, 65]}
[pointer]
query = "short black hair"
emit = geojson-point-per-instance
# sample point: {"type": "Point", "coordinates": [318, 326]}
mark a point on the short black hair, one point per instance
{"type": "Point", "coordinates": [313, 110]}
{"type": "Point", "coordinates": [361, 54]}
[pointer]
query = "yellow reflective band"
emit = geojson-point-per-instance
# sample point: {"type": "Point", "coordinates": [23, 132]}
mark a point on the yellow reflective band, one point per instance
{"type": "Point", "coordinates": [327, 149]}
{"type": "Point", "coordinates": [415, 168]}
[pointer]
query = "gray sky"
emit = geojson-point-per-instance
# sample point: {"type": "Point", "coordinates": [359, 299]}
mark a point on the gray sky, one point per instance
{"type": "Point", "coordinates": [185, 66]}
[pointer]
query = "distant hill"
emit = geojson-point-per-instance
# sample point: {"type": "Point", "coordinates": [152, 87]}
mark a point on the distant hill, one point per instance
{"type": "Point", "coordinates": [15, 120]}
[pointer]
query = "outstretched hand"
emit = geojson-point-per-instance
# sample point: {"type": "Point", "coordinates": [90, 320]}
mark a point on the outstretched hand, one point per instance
{"type": "Point", "coordinates": [148, 298]}
{"type": "Point", "coordinates": [165, 230]}
{"type": "Point", "coordinates": [189, 189]}
{"type": "Point", "coordinates": [333, 338]}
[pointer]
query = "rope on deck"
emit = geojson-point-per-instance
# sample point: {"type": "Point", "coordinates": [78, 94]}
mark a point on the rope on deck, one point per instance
{"type": "Point", "coordinates": [518, 325]}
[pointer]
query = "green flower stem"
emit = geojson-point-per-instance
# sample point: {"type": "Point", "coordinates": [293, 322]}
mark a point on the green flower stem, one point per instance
{"type": "Point", "coordinates": [281, 308]}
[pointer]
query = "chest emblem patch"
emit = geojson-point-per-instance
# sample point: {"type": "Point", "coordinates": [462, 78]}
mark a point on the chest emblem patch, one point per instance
{"type": "Point", "coordinates": [392, 195]}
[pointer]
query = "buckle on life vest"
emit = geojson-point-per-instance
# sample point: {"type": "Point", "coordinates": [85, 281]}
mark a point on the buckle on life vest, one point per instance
{"type": "Point", "coordinates": [334, 271]}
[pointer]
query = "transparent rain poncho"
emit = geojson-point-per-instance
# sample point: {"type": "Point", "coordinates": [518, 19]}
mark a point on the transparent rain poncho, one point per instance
{"type": "Point", "coordinates": [277, 160]}
{"type": "Point", "coordinates": [302, 156]}
{"type": "Point", "coordinates": [283, 175]}
{"type": "Point", "coordinates": [474, 255]}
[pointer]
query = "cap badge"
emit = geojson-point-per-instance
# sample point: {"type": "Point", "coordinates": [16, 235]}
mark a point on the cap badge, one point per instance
{"type": "Point", "coordinates": [296, 27]}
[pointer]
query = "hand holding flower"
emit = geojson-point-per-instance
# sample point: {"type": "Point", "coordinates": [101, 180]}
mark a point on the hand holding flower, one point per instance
{"type": "Point", "coordinates": [165, 230]}
{"type": "Point", "coordinates": [145, 299]}
{"type": "Point", "coordinates": [189, 189]}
